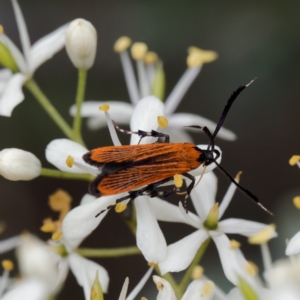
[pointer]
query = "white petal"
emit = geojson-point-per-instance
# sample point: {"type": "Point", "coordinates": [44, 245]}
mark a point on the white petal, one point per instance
{"type": "Point", "coordinates": [46, 47]}
{"type": "Point", "coordinates": [140, 285]}
{"type": "Point", "coordinates": [12, 95]}
{"type": "Point", "coordinates": [23, 32]}
{"type": "Point", "coordinates": [165, 290]}
{"type": "Point", "coordinates": [124, 289]}
{"type": "Point", "coordinates": [185, 119]}
{"type": "Point", "coordinates": [119, 111]}
{"type": "Point", "coordinates": [242, 227]}
{"type": "Point", "coordinates": [227, 199]}
{"type": "Point", "coordinates": [233, 262]}
{"type": "Point", "coordinates": [27, 289]}
{"type": "Point", "coordinates": [85, 271]}
{"type": "Point", "coordinates": [209, 168]}
{"type": "Point", "coordinates": [181, 253]}
{"type": "Point", "coordinates": [167, 212]}
{"type": "Point", "coordinates": [86, 199]}
{"type": "Point", "coordinates": [9, 244]}
{"type": "Point", "coordinates": [204, 194]}
{"type": "Point", "coordinates": [150, 239]}
{"type": "Point", "coordinates": [16, 54]}
{"type": "Point", "coordinates": [293, 246]}
{"type": "Point", "coordinates": [144, 118]}
{"type": "Point", "coordinates": [235, 294]}
{"type": "Point", "coordinates": [199, 290]}
{"type": "Point", "coordinates": [35, 260]}
{"type": "Point", "coordinates": [81, 221]}
{"type": "Point", "coordinates": [5, 75]}
{"type": "Point", "coordinates": [57, 152]}
{"type": "Point", "coordinates": [178, 135]}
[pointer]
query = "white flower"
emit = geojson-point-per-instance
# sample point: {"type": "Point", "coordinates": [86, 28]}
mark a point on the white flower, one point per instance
{"type": "Point", "coordinates": [17, 164]}
{"type": "Point", "coordinates": [121, 112]}
{"type": "Point", "coordinates": [81, 43]}
{"type": "Point", "coordinates": [33, 56]}
{"type": "Point", "coordinates": [181, 253]}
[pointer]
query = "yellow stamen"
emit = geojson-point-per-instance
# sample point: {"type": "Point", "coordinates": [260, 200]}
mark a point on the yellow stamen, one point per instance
{"type": "Point", "coordinates": [296, 201]}
{"type": "Point", "coordinates": [122, 44]}
{"type": "Point", "coordinates": [234, 244]}
{"type": "Point", "coordinates": [7, 265]}
{"type": "Point", "coordinates": [70, 161]}
{"type": "Point", "coordinates": [104, 107]}
{"type": "Point", "coordinates": [138, 51]}
{"type": "Point", "coordinates": [49, 227]}
{"type": "Point", "coordinates": [294, 159]}
{"type": "Point", "coordinates": [152, 264]}
{"type": "Point", "coordinates": [60, 201]}
{"type": "Point", "coordinates": [162, 121]}
{"type": "Point", "coordinates": [198, 57]}
{"type": "Point", "coordinates": [150, 58]}
{"type": "Point", "coordinates": [178, 181]}
{"type": "Point", "coordinates": [251, 268]}
{"type": "Point", "coordinates": [207, 288]}
{"type": "Point", "coordinates": [143, 298]}
{"type": "Point", "coordinates": [197, 273]}
{"type": "Point", "coordinates": [120, 207]}
{"type": "Point", "coordinates": [1, 29]}
{"type": "Point", "coordinates": [263, 236]}
{"type": "Point", "coordinates": [56, 236]}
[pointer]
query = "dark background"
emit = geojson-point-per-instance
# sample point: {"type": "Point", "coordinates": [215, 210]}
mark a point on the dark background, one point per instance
{"type": "Point", "coordinates": [251, 37]}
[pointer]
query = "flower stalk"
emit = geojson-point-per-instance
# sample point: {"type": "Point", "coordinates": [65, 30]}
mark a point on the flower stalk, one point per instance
{"type": "Point", "coordinates": [108, 252]}
{"type": "Point", "coordinates": [65, 175]}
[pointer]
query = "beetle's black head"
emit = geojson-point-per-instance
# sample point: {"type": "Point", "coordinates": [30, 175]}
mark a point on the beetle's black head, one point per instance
{"type": "Point", "coordinates": [209, 156]}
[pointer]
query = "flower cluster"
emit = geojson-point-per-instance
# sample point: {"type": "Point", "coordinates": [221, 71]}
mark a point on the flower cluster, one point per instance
{"type": "Point", "coordinates": [44, 265]}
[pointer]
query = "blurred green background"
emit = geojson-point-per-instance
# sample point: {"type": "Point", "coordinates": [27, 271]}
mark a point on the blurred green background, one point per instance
{"type": "Point", "coordinates": [251, 37]}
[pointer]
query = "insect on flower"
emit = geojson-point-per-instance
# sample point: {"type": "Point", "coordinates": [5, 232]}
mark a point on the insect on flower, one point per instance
{"type": "Point", "coordinates": [147, 166]}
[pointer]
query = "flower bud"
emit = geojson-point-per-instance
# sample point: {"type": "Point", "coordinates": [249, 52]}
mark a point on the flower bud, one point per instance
{"type": "Point", "coordinates": [81, 43]}
{"type": "Point", "coordinates": [17, 164]}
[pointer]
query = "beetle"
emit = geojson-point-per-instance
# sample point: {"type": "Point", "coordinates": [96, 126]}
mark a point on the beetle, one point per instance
{"type": "Point", "coordinates": [140, 169]}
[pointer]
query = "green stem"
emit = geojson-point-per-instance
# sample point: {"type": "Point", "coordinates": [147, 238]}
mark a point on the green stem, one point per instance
{"type": "Point", "coordinates": [108, 252]}
{"type": "Point", "coordinates": [82, 74]}
{"type": "Point", "coordinates": [188, 273]}
{"type": "Point", "coordinates": [32, 86]}
{"type": "Point", "coordinates": [65, 175]}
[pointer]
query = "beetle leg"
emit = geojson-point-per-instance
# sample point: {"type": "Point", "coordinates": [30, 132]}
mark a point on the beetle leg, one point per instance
{"type": "Point", "coordinates": [188, 190]}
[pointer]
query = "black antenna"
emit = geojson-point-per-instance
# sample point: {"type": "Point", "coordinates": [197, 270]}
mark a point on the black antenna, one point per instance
{"type": "Point", "coordinates": [228, 106]}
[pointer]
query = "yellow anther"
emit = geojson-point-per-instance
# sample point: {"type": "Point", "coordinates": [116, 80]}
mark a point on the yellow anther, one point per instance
{"type": "Point", "coordinates": [198, 57]}
{"type": "Point", "coordinates": [159, 285]}
{"type": "Point", "coordinates": [1, 29]}
{"type": "Point", "coordinates": [152, 264]}
{"type": "Point", "coordinates": [207, 288]}
{"type": "Point", "coordinates": [178, 181]}
{"type": "Point", "coordinates": [138, 51]}
{"type": "Point", "coordinates": [56, 236]}
{"type": "Point", "coordinates": [296, 201]}
{"type": "Point", "coordinates": [294, 159]}
{"type": "Point", "coordinates": [122, 44]}
{"type": "Point", "coordinates": [234, 244]}
{"type": "Point", "coordinates": [7, 265]}
{"type": "Point", "coordinates": [238, 176]}
{"type": "Point", "coordinates": [251, 268]}
{"type": "Point", "coordinates": [70, 161]}
{"type": "Point", "coordinates": [150, 58]}
{"type": "Point", "coordinates": [162, 121]}
{"type": "Point", "coordinates": [120, 207]}
{"type": "Point", "coordinates": [104, 107]}
{"type": "Point", "coordinates": [143, 298]}
{"type": "Point", "coordinates": [48, 227]}
{"type": "Point", "coordinates": [60, 201]}
{"type": "Point", "coordinates": [263, 236]}
{"type": "Point", "coordinates": [197, 273]}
